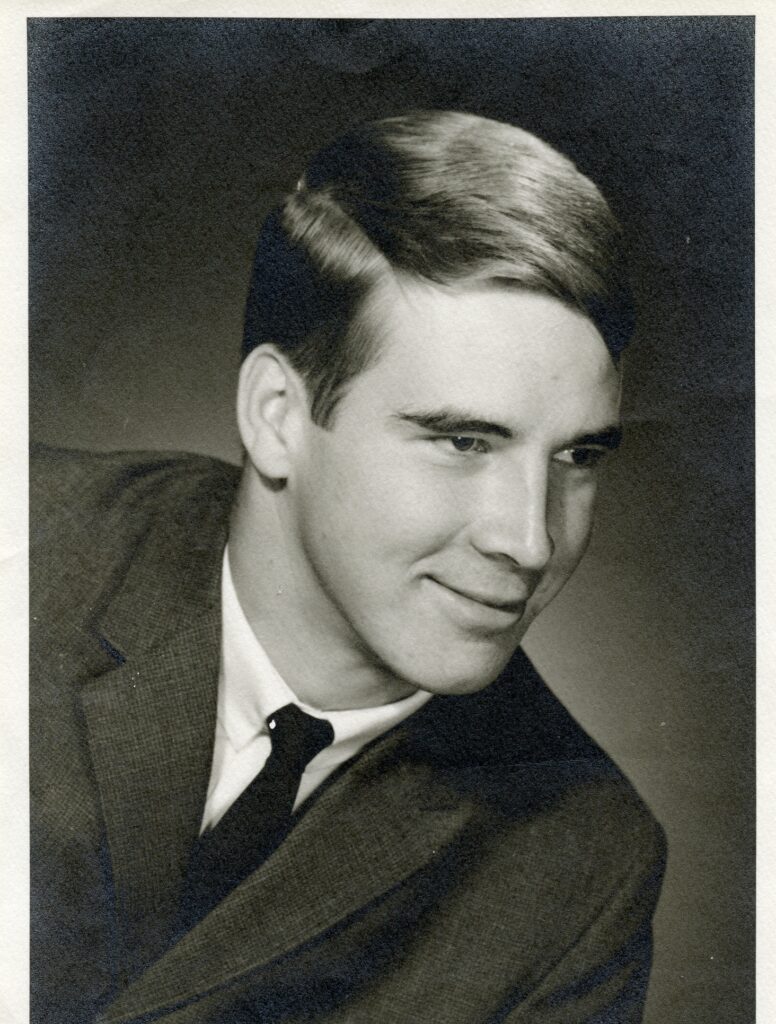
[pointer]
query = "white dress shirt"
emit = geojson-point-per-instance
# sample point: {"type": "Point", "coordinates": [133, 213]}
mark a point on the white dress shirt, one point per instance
{"type": "Point", "coordinates": [250, 690]}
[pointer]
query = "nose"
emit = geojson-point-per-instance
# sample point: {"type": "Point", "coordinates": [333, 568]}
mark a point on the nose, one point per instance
{"type": "Point", "coordinates": [513, 518]}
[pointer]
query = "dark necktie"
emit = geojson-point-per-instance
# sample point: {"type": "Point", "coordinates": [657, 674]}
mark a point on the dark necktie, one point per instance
{"type": "Point", "coordinates": [260, 818]}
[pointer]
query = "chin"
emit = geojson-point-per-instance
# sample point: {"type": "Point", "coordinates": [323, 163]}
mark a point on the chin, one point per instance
{"type": "Point", "coordinates": [458, 679]}
{"type": "Point", "coordinates": [457, 687]}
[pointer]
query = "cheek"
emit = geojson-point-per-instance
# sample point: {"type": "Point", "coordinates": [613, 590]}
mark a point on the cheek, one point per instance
{"type": "Point", "coordinates": [571, 524]}
{"type": "Point", "coordinates": [351, 534]}
{"type": "Point", "coordinates": [380, 500]}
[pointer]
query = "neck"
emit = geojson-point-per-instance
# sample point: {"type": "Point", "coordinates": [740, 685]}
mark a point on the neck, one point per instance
{"type": "Point", "coordinates": [315, 651]}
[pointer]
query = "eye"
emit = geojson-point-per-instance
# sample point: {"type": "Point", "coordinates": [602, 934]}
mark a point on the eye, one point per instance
{"type": "Point", "coordinates": [582, 458]}
{"type": "Point", "coordinates": [465, 444]}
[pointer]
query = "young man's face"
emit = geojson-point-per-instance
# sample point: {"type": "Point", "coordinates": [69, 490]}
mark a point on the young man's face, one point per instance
{"type": "Point", "coordinates": [453, 495]}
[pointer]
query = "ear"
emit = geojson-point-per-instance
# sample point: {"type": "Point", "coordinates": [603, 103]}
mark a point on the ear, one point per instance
{"type": "Point", "coordinates": [271, 404]}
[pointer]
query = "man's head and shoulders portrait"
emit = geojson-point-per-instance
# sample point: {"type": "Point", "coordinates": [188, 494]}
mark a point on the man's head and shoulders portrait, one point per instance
{"type": "Point", "coordinates": [290, 760]}
{"type": "Point", "coordinates": [430, 383]}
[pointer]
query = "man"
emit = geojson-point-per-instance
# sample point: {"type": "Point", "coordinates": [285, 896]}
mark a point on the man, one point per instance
{"type": "Point", "coordinates": [430, 381]}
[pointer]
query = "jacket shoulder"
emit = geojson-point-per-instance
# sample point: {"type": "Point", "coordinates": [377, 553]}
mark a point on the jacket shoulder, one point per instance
{"type": "Point", "coordinates": [91, 513]}
{"type": "Point", "coordinates": [518, 755]}
{"type": "Point", "coordinates": [75, 485]}
{"type": "Point", "coordinates": [575, 788]}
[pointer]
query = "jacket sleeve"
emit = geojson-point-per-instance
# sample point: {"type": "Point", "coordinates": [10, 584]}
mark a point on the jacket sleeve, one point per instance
{"type": "Point", "coordinates": [602, 978]}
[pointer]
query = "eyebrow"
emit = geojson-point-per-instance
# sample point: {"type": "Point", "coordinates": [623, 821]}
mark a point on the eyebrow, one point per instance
{"type": "Point", "coordinates": [447, 421]}
{"type": "Point", "coordinates": [609, 437]}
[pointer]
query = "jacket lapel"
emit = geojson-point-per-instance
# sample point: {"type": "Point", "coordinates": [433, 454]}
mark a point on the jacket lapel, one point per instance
{"type": "Point", "coordinates": [150, 733]}
{"type": "Point", "coordinates": [379, 822]}
{"type": "Point", "coordinates": [151, 719]}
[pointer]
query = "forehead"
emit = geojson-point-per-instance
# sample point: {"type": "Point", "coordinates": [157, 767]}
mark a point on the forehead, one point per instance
{"type": "Point", "coordinates": [497, 351]}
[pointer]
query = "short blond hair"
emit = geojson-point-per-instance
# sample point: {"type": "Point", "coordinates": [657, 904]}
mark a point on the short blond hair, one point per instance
{"type": "Point", "coordinates": [443, 196]}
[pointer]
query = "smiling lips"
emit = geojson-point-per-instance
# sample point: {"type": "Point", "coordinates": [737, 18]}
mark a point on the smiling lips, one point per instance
{"type": "Point", "coordinates": [510, 606]}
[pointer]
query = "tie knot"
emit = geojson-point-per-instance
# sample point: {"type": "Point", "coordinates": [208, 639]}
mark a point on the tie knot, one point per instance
{"type": "Point", "coordinates": [296, 736]}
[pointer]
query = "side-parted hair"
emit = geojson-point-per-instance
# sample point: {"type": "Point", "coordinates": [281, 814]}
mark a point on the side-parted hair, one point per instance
{"type": "Point", "coordinates": [445, 197]}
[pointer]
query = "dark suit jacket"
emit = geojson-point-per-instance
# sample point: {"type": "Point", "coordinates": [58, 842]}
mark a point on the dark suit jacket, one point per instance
{"type": "Point", "coordinates": [482, 862]}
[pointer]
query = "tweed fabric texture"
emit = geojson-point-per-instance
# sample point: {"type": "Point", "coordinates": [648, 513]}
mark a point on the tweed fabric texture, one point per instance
{"type": "Point", "coordinates": [482, 862]}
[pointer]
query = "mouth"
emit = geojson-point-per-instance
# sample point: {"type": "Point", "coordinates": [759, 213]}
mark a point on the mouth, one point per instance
{"type": "Point", "coordinates": [495, 603]}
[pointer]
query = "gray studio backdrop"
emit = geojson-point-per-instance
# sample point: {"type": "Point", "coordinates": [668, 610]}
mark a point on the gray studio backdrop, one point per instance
{"type": "Point", "coordinates": [156, 147]}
